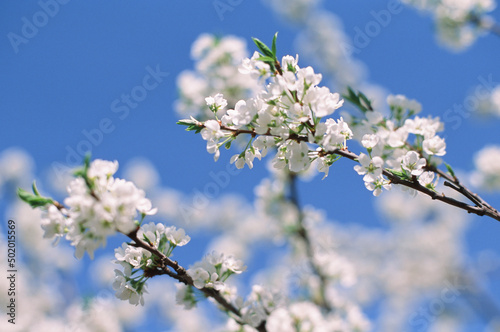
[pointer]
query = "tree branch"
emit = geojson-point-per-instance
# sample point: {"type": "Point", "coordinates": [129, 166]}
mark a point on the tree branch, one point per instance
{"type": "Point", "coordinates": [481, 208]}
{"type": "Point", "coordinates": [304, 236]}
{"type": "Point", "coordinates": [182, 276]}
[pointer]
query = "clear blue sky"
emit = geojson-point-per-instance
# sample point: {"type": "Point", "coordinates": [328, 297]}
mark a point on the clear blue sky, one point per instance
{"type": "Point", "coordinates": [64, 79]}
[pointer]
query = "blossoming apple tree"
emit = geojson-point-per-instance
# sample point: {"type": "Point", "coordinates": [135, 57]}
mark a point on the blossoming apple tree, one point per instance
{"type": "Point", "coordinates": [269, 105]}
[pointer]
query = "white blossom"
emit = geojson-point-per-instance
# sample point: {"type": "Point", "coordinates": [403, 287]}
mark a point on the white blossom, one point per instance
{"type": "Point", "coordinates": [413, 163]}
{"type": "Point", "coordinates": [371, 168]}
{"type": "Point", "coordinates": [434, 146]}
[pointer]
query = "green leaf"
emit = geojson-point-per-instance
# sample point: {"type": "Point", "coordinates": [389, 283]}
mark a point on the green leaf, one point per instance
{"type": "Point", "coordinates": [266, 59]}
{"type": "Point", "coordinates": [273, 47]}
{"type": "Point", "coordinates": [450, 170]}
{"type": "Point", "coordinates": [33, 200]}
{"type": "Point", "coordinates": [263, 48]}
{"type": "Point", "coordinates": [399, 174]}
{"type": "Point", "coordinates": [35, 189]}
{"type": "Point", "coordinates": [367, 102]}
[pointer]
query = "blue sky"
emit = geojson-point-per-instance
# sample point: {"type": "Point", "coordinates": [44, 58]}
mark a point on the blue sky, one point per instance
{"type": "Point", "coordinates": [67, 79]}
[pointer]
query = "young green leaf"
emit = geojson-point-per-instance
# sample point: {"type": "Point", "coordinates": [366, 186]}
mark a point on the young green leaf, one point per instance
{"type": "Point", "coordinates": [33, 200]}
{"type": "Point", "coordinates": [273, 47]}
{"type": "Point", "coordinates": [450, 170]}
{"type": "Point", "coordinates": [263, 48]}
{"type": "Point", "coordinates": [35, 189]}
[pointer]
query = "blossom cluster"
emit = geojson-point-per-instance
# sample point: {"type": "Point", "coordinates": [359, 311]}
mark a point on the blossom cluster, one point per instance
{"type": "Point", "coordinates": [402, 142]}
{"type": "Point", "coordinates": [291, 116]}
{"type": "Point", "coordinates": [98, 206]}
{"type": "Point", "coordinates": [130, 285]}
{"type": "Point", "coordinates": [286, 115]}
{"type": "Point", "coordinates": [216, 67]}
{"type": "Point", "coordinates": [459, 22]}
{"type": "Point", "coordinates": [214, 269]}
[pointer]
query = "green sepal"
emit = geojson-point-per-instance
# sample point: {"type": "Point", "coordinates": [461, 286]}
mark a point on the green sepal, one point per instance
{"type": "Point", "coordinates": [228, 144]}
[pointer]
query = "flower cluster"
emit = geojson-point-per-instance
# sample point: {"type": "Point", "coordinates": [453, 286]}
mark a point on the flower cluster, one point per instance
{"type": "Point", "coordinates": [458, 22]}
{"type": "Point", "coordinates": [216, 66]}
{"type": "Point", "coordinates": [98, 206]}
{"type": "Point", "coordinates": [389, 145]}
{"type": "Point", "coordinates": [214, 269]}
{"type": "Point", "coordinates": [129, 284]}
{"type": "Point", "coordinates": [291, 114]}
{"type": "Point", "coordinates": [287, 115]}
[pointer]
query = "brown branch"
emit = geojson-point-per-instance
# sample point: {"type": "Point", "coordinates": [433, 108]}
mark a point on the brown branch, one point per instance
{"type": "Point", "coordinates": [481, 209]}
{"type": "Point", "coordinates": [179, 273]}
{"type": "Point", "coordinates": [182, 276]}
{"type": "Point", "coordinates": [304, 236]}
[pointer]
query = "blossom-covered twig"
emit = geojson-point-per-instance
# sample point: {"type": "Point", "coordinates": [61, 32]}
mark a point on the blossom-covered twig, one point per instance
{"type": "Point", "coordinates": [288, 115]}
{"type": "Point", "coordinates": [100, 205]}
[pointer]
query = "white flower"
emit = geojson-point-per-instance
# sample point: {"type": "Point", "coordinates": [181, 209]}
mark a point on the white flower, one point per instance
{"type": "Point", "coordinates": [434, 146]}
{"type": "Point", "coordinates": [336, 134]}
{"type": "Point", "coordinates": [255, 68]}
{"type": "Point", "coordinates": [212, 130]}
{"type": "Point", "coordinates": [151, 233]}
{"type": "Point", "coordinates": [53, 223]}
{"type": "Point", "coordinates": [135, 256]}
{"type": "Point", "coordinates": [322, 102]}
{"type": "Point", "coordinates": [377, 185]}
{"type": "Point", "coordinates": [308, 76]}
{"type": "Point", "coordinates": [242, 114]}
{"type": "Point", "coordinates": [102, 168]}
{"type": "Point", "coordinates": [413, 164]}
{"type": "Point", "coordinates": [177, 237]}
{"type": "Point", "coordinates": [289, 63]}
{"type": "Point", "coordinates": [371, 168]}
{"type": "Point", "coordinates": [423, 126]}
{"type": "Point", "coordinates": [216, 102]}
{"type": "Point", "coordinates": [250, 155]}
{"type": "Point", "coordinates": [370, 140]}
{"type": "Point", "coordinates": [199, 276]}
{"type": "Point", "coordinates": [125, 290]}
{"type": "Point", "coordinates": [235, 265]}
{"type": "Point", "coordinates": [426, 179]}
{"type": "Point", "coordinates": [145, 207]}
